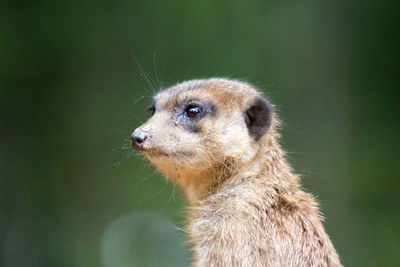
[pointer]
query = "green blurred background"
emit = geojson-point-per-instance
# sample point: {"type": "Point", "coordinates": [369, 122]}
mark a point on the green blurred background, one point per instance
{"type": "Point", "coordinates": [74, 194]}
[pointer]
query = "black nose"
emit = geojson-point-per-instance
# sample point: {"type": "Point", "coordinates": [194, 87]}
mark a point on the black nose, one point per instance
{"type": "Point", "coordinates": [138, 139]}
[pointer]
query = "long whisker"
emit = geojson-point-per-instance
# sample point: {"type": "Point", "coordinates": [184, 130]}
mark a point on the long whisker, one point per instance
{"type": "Point", "coordinates": [149, 81]}
{"type": "Point", "coordinates": [157, 73]}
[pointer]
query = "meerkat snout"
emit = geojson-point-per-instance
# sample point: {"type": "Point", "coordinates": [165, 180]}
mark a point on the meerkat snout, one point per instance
{"type": "Point", "coordinates": [218, 140]}
{"type": "Point", "coordinates": [138, 139]}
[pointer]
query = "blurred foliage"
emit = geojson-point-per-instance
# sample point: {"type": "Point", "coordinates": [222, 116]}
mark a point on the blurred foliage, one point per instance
{"type": "Point", "coordinates": [71, 93]}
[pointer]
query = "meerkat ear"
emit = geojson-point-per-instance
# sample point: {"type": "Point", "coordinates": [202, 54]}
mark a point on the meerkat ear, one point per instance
{"type": "Point", "coordinates": [258, 117]}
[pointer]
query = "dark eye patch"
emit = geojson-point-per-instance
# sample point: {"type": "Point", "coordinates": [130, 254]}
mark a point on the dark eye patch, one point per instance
{"type": "Point", "coordinates": [192, 111]}
{"type": "Point", "coordinates": [152, 109]}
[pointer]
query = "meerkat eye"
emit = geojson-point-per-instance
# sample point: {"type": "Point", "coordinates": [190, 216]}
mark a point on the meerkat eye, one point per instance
{"type": "Point", "coordinates": [152, 109]}
{"type": "Point", "coordinates": [193, 111]}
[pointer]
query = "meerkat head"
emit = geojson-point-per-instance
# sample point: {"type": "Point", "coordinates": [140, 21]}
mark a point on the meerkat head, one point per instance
{"type": "Point", "coordinates": [199, 125]}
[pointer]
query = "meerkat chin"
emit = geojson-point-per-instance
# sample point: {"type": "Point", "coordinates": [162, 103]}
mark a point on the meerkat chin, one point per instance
{"type": "Point", "coordinates": [217, 140]}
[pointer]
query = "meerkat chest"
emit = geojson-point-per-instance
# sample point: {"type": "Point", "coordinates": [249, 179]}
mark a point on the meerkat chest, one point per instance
{"type": "Point", "coordinates": [229, 214]}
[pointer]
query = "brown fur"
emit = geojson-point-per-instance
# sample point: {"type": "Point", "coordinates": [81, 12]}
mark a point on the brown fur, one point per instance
{"type": "Point", "coordinates": [246, 207]}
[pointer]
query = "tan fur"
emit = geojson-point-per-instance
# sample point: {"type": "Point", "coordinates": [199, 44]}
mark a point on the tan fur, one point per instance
{"type": "Point", "coordinates": [246, 207]}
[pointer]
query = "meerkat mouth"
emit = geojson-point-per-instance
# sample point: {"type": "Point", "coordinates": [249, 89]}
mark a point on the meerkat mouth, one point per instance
{"type": "Point", "coordinates": [159, 153]}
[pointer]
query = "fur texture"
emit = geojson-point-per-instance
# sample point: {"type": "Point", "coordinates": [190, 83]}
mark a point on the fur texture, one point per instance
{"type": "Point", "coordinates": [217, 140]}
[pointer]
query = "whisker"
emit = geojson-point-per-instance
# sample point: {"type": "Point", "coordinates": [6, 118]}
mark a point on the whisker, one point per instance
{"type": "Point", "coordinates": [140, 98]}
{"type": "Point", "coordinates": [156, 73]}
{"type": "Point", "coordinates": [146, 78]}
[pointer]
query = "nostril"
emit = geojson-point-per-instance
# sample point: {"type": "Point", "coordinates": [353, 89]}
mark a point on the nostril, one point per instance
{"type": "Point", "coordinates": [138, 139]}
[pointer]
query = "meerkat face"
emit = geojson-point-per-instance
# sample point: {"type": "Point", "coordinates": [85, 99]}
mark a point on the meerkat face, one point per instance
{"type": "Point", "coordinates": [198, 124]}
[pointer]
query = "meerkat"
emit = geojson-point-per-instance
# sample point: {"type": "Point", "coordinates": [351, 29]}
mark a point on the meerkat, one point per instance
{"type": "Point", "coordinates": [217, 139]}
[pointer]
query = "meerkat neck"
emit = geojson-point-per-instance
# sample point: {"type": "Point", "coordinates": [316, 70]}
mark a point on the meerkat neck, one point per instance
{"type": "Point", "coordinates": [198, 186]}
{"type": "Point", "coordinates": [268, 165]}
{"type": "Point", "coordinates": [275, 169]}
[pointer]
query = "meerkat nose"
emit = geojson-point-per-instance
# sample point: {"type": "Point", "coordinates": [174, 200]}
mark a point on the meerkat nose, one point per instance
{"type": "Point", "coordinates": [138, 139]}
